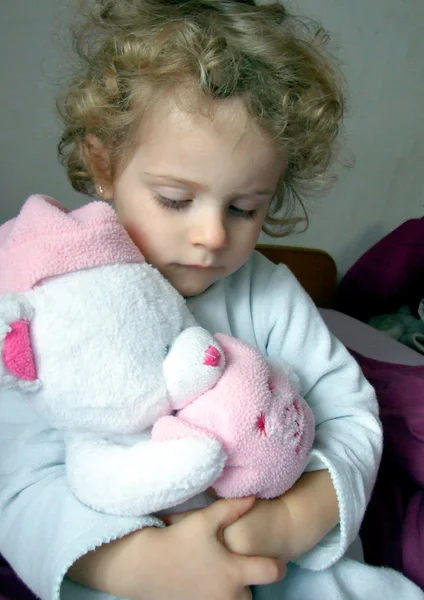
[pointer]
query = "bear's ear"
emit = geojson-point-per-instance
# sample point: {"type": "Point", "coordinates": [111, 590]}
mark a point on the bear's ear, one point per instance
{"type": "Point", "coordinates": [18, 370]}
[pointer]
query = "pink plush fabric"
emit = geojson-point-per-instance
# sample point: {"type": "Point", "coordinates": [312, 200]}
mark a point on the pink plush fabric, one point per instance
{"type": "Point", "coordinates": [265, 427]}
{"type": "Point", "coordinates": [17, 352]}
{"type": "Point", "coordinates": [60, 242]}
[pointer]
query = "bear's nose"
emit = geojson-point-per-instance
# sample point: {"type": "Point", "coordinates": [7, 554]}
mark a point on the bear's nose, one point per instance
{"type": "Point", "coordinates": [212, 357]}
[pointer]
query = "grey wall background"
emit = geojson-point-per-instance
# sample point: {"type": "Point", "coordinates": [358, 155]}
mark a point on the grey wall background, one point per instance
{"type": "Point", "coordinates": [381, 44]}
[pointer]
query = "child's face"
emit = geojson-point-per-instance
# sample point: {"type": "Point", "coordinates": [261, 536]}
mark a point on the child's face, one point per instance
{"type": "Point", "coordinates": [195, 193]}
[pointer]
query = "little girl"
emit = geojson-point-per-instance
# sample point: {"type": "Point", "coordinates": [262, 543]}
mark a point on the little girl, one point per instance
{"type": "Point", "coordinates": [203, 121]}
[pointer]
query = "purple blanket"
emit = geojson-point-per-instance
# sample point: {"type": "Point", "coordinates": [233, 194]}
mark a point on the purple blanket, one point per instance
{"type": "Point", "coordinates": [387, 276]}
{"type": "Point", "coordinates": [10, 586]}
{"type": "Point", "coordinates": [392, 532]}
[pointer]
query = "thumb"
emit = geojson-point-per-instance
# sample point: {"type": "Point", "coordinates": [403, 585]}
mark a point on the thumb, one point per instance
{"type": "Point", "coordinates": [223, 512]}
{"type": "Point", "coordinates": [257, 570]}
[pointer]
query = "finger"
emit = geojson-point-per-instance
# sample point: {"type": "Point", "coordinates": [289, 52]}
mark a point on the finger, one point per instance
{"type": "Point", "coordinates": [222, 513]}
{"type": "Point", "coordinates": [256, 570]}
{"type": "Point", "coordinates": [245, 594]}
{"type": "Point", "coordinates": [238, 505]}
{"type": "Point", "coordinates": [174, 518]}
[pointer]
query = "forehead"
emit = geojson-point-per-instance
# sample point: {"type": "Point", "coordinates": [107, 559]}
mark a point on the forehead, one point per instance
{"type": "Point", "coordinates": [184, 133]}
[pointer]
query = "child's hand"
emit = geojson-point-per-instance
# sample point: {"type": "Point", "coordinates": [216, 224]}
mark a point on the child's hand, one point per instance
{"type": "Point", "coordinates": [194, 563]}
{"type": "Point", "coordinates": [263, 531]}
{"type": "Point", "coordinates": [185, 561]}
{"type": "Point", "coordinates": [286, 527]}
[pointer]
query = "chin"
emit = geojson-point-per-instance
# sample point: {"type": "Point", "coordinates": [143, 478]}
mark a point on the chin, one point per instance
{"type": "Point", "coordinates": [188, 289]}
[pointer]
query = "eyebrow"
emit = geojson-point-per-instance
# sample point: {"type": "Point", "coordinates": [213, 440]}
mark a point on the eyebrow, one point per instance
{"type": "Point", "coordinates": [199, 186]}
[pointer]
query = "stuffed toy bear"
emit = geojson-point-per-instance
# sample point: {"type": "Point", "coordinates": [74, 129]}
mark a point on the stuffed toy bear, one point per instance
{"type": "Point", "coordinates": [154, 409]}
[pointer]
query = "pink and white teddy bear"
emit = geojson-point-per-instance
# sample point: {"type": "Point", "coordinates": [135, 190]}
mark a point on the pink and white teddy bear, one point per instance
{"type": "Point", "coordinates": [154, 408]}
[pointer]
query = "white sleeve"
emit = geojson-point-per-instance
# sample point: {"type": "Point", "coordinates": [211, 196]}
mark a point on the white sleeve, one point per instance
{"type": "Point", "coordinates": [44, 528]}
{"type": "Point", "coordinates": [348, 438]}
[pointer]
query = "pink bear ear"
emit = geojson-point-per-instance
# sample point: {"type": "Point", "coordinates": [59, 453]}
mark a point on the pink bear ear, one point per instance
{"type": "Point", "coordinates": [18, 356]}
{"type": "Point", "coordinates": [17, 363]}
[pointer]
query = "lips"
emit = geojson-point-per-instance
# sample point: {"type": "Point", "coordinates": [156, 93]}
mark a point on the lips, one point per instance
{"type": "Point", "coordinates": [200, 267]}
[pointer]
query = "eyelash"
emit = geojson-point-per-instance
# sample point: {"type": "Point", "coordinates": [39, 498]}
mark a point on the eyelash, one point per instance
{"type": "Point", "coordinates": [169, 204]}
{"type": "Point", "coordinates": [179, 205]}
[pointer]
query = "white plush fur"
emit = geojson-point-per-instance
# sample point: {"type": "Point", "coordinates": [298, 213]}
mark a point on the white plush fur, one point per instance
{"type": "Point", "coordinates": [100, 337]}
{"type": "Point", "coordinates": [144, 477]}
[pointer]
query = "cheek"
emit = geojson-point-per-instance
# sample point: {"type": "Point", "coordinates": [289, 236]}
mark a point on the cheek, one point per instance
{"type": "Point", "coordinates": [251, 236]}
{"type": "Point", "coordinates": [249, 239]}
{"type": "Point", "coordinates": [246, 244]}
{"type": "Point", "coordinates": [136, 227]}
{"type": "Point", "coordinates": [153, 236]}
{"type": "Point", "coordinates": [140, 219]}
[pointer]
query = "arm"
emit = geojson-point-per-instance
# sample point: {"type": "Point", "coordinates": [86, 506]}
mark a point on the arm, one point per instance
{"type": "Point", "coordinates": [110, 566]}
{"type": "Point", "coordinates": [44, 528]}
{"type": "Point", "coordinates": [348, 440]}
{"type": "Point", "coordinates": [289, 526]}
{"type": "Point", "coordinates": [314, 495]}
{"type": "Point", "coordinates": [134, 566]}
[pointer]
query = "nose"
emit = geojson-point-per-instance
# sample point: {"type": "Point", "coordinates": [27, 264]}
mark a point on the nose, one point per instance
{"type": "Point", "coordinates": [209, 230]}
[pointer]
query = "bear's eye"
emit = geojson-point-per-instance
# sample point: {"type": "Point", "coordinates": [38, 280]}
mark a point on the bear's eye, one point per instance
{"type": "Point", "coordinates": [166, 350]}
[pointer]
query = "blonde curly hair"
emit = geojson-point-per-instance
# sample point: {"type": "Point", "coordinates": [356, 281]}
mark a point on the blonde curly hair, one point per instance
{"type": "Point", "coordinates": [130, 51]}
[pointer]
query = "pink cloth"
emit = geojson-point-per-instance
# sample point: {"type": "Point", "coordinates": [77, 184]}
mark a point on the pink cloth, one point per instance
{"type": "Point", "coordinates": [265, 427]}
{"type": "Point", "coordinates": [47, 240]}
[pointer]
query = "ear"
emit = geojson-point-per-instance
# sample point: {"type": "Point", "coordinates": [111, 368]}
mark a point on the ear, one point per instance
{"type": "Point", "coordinates": [18, 370]}
{"type": "Point", "coordinates": [100, 165]}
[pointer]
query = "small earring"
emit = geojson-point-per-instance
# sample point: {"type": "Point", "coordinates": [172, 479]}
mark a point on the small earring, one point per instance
{"type": "Point", "coordinates": [100, 190]}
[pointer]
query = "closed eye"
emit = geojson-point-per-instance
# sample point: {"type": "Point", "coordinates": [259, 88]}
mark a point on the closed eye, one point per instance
{"type": "Point", "coordinates": [177, 205]}
{"type": "Point", "coordinates": [239, 212]}
{"type": "Point", "coordinates": [171, 204]}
